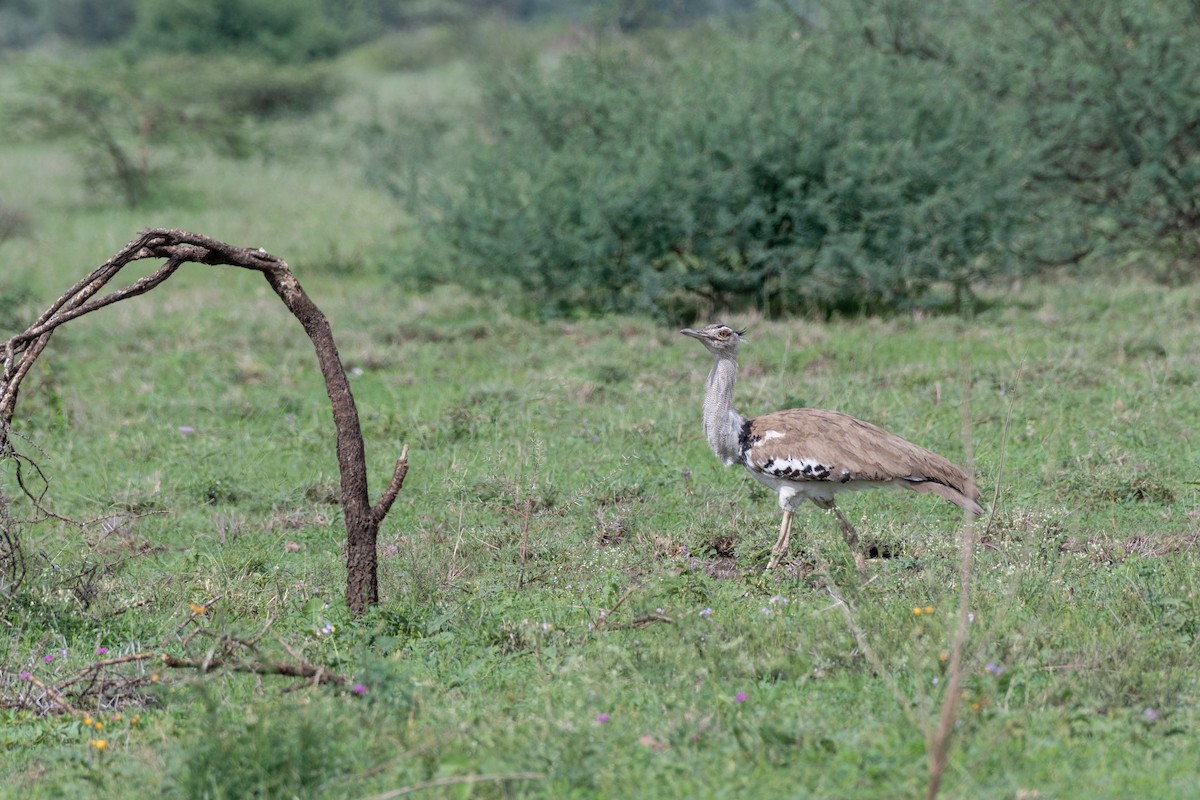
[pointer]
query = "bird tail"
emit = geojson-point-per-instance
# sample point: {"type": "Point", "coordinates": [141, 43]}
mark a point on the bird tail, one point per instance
{"type": "Point", "coordinates": [966, 501]}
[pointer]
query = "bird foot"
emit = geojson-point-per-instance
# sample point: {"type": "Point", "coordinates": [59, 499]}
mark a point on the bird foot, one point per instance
{"type": "Point", "coordinates": [781, 544]}
{"type": "Point", "coordinates": [776, 557]}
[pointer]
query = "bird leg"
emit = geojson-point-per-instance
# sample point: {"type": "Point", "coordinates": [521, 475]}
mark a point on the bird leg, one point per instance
{"type": "Point", "coordinates": [781, 544]}
{"type": "Point", "coordinates": [851, 537]}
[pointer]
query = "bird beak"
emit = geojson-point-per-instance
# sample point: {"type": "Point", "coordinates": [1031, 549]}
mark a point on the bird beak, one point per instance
{"type": "Point", "coordinates": [695, 334]}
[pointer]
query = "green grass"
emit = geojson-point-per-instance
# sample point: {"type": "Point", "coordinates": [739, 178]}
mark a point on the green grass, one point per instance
{"type": "Point", "coordinates": [581, 439]}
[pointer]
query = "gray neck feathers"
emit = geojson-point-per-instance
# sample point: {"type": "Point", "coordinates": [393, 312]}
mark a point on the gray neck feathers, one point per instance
{"type": "Point", "coordinates": [722, 425]}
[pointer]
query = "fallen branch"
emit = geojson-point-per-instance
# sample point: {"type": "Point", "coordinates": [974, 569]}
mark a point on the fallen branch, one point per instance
{"type": "Point", "coordinates": [318, 674]}
{"type": "Point", "coordinates": [105, 683]}
{"type": "Point", "coordinates": [96, 667]}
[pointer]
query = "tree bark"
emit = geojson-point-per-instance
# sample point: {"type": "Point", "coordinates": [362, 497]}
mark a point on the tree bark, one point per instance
{"type": "Point", "coordinates": [178, 247]}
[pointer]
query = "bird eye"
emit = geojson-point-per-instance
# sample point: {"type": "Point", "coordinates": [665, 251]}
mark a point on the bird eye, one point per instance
{"type": "Point", "coordinates": [723, 333]}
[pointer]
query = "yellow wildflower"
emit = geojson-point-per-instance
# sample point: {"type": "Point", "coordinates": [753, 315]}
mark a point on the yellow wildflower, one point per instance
{"type": "Point", "coordinates": [99, 744]}
{"type": "Point", "coordinates": [197, 609]}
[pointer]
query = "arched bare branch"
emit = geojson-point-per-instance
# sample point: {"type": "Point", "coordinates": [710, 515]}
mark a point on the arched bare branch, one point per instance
{"type": "Point", "coordinates": [175, 248]}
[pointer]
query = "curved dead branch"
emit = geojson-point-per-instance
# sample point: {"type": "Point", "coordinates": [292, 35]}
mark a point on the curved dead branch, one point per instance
{"type": "Point", "coordinates": [177, 247]}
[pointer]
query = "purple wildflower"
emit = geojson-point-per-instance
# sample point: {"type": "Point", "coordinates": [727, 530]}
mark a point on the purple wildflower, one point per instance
{"type": "Point", "coordinates": [740, 697]}
{"type": "Point", "coordinates": [995, 669]}
{"type": "Point", "coordinates": [28, 676]}
{"type": "Point", "coordinates": [48, 658]}
{"type": "Point", "coordinates": [101, 651]}
{"type": "Point", "coordinates": [602, 718]}
{"type": "Point", "coordinates": [359, 689]}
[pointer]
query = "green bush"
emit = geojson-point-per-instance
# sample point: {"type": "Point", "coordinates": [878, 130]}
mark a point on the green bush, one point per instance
{"type": "Point", "coordinates": [111, 119]}
{"type": "Point", "coordinates": [225, 90]}
{"type": "Point", "coordinates": [21, 23]}
{"type": "Point", "coordinates": [792, 173]}
{"type": "Point", "coordinates": [128, 119]}
{"type": "Point", "coordinates": [1111, 92]}
{"type": "Point", "coordinates": [90, 21]}
{"type": "Point", "coordinates": [880, 157]}
{"type": "Point", "coordinates": [281, 30]}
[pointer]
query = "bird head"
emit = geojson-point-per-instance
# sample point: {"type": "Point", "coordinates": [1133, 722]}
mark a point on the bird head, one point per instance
{"type": "Point", "coordinates": [721, 340]}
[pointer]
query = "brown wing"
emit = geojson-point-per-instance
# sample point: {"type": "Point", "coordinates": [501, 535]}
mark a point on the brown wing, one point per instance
{"type": "Point", "coordinates": [808, 444]}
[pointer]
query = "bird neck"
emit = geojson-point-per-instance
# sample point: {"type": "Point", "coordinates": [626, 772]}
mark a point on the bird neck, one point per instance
{"type": "Point", "coordinates": [722, 425]}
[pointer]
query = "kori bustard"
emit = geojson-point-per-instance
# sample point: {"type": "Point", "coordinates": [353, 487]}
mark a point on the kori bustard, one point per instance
{"type": "Point", "coordinates": [810, 454]}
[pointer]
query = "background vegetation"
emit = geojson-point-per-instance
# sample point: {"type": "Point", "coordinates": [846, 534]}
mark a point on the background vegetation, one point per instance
{"type": "Point", "coordinates": [501, 214]}
{"type": "Point", "coordinates": [862, 160]}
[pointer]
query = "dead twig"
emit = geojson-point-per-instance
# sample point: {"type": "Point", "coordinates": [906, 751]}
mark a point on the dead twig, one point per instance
{"type": "Point", "coordinates": [198, 610]}
{"type": "Point", "coordinates": [602, 620]}
{"type": "Point", "coordinates": [642, 622]}
{"type": "Point", "coordinates": [457, 780]}
{"type": "Point", "coordinates": [941, 736]}
{"type": "Point", "coordinates": [53, 694]}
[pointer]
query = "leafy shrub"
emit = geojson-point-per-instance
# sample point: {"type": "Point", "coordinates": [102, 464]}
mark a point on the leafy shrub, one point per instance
{"type": "Point", "coordinates": [281, 30]}
{"type": "Point", "coordinates": [21, 23]}
{"type": "Point", "coordinates": [883, 156]}
{"type": "Point", "coordinates": [792, 173]}
{"type": "Point", "coordinates": [1112, 92]}
{"type": "Point", "coordinates": [112, 119]}
{"type": "Point", "coordinates": [225, 90]}
{"type": "Point", "coordinates": [127, 118]}
{"type": "Point", "coordinates": [90, 21]}
{"type": "Point", "coordinates": [415, 49]}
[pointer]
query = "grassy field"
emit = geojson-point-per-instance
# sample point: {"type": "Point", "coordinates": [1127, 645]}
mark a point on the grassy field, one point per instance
{"type": "Point", "coordinates": [636, 649]}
